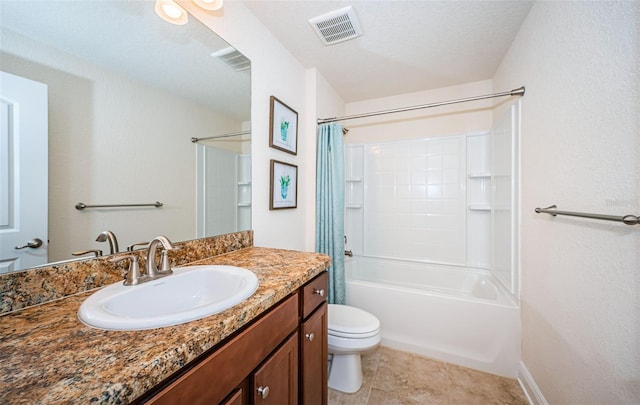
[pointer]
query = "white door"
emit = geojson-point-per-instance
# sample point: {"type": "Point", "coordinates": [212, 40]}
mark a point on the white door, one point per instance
{"type": "Point", "coordinates": [23, 173]}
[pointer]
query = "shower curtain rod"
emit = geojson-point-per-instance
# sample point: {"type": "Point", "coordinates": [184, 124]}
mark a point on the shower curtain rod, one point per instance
{"type": "Point", "coordinates": [515, 92]}
{"type": "Point", "coordinates": [229, 135]}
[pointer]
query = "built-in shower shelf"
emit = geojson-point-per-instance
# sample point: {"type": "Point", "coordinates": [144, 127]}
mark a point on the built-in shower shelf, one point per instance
{"type": "Point", "coordinates": [479, 175]}
{"type": "Point", "coordinates": [246, 204]}
{"type": "Point", "coordinates": [244, 183]}
{"type": "Point", "coordinates": [354, 206]}
{"type": "Point", "coordinates": [353, 180]}
{"type": "Point", "coordinates": [487, 207]}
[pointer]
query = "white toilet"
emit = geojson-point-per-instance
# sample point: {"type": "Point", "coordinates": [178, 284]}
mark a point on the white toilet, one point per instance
{"type": "Point", "coordinates": [351, 331]}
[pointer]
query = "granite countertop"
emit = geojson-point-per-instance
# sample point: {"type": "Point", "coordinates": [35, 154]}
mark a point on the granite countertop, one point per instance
{"type": "Point", "coordinates": [48, 356]}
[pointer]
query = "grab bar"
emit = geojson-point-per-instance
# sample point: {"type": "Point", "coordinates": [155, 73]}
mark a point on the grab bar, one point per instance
{"type": "Point", "coordinates": [81, 206]}
{"type": "Point", "coordinates": [627, 219]}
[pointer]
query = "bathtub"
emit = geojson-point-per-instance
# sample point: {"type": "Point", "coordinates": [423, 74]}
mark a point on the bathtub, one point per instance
{"type": "Point", "coordinates": [454, 314]}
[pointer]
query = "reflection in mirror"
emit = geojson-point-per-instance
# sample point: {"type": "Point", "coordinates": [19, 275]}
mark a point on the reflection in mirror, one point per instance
{"type": "Point", "coordinates": [126, 93]}
{"type": "Point", "coordinates": [224, 169]}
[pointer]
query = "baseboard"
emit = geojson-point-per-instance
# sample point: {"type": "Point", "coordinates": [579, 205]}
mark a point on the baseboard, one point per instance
{"type": "Point", "coordinates": [529, 386]}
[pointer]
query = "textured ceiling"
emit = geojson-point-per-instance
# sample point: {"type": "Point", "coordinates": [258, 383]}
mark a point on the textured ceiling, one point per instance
{"type": "Point", "coordinates": [128, 37]}
{"type": "Point", "coordinates": [406, 46]}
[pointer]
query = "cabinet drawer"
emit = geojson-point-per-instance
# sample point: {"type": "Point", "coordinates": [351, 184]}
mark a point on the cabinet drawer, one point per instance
{"type": "Point", "coordinates": [211, 380]}
{"type": "Point", "coordinates": [314, 294]}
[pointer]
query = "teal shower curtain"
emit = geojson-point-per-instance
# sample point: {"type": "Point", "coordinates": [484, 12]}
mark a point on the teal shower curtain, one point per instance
{"type": "Point", "coordinates": [330, 206]}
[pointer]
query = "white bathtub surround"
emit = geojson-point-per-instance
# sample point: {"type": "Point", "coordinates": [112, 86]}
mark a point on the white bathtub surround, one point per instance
{"type": "Point", "coordinates": [448, 313]}
{"type": "Point", "coordinates": [449, 200]}
{"type": "Point", "coordinates": [433, 225]}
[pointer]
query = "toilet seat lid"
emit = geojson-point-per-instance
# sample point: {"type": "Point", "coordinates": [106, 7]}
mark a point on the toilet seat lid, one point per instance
{"type": "Point", "coordinates": [347, 321]}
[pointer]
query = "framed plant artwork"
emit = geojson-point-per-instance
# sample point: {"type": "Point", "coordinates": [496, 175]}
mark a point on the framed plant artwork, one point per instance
{"type": "Point", "coordinates": [283, 133]}
{"type": "Point", "coordinates": [284, 186]}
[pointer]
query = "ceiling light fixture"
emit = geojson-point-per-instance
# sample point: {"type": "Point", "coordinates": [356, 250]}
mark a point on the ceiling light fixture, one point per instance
{"type": "Point", "coordinates": [211, 5]}
{"type": "Point", "coordinates": [171, 12]}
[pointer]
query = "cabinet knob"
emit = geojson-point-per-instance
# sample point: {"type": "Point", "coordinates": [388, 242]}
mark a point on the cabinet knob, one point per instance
{"type": "Point", "coordinates": [263, 392]}
{"type": "Point", "coordinates": [310, 337]}
{"type": "Point", "coordinates": [319, 292]}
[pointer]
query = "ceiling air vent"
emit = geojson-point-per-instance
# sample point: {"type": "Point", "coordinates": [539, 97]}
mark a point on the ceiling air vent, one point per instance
{"type": "Point", "coordinates": [230, 56]}
{"type": "Point", "coordinates": [337, 26]}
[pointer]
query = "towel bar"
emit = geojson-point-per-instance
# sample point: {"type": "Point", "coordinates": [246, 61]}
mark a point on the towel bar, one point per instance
{"type": "Point", "coordinates": [81, 206]}
{"type": "Point", "coordinates": [627, 219]}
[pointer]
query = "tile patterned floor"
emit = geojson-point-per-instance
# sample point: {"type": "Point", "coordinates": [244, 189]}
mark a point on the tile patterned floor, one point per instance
{"type": "Point", "coordinates": [394, 377]}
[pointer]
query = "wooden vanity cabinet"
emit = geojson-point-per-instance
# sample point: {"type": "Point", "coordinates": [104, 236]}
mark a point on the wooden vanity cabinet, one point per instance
{"type": "Point", "coordinates": [223, 371]}
{"type": "Point", "coordinates": [279, 359]}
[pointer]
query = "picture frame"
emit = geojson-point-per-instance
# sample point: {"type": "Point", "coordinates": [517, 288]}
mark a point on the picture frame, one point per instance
{"type": "Point", "coordinates": [283, 131]}
{"type": "Point", "coordinates": [283, 185]}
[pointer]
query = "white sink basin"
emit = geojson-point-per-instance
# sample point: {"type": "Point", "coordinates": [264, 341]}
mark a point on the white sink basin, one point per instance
{"type": "Point", "coordinates": [190, 293]}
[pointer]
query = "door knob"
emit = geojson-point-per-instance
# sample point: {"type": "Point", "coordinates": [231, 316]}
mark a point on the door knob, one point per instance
{"type": "Point", "coordinates": [34, 244]}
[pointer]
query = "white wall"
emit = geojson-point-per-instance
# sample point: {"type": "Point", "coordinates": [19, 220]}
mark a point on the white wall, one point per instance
{"type": "Point", "coordinates": [580, 150]}
{"type": "Point", "coordinates": [447, 120]}
{"type": "Point", "coordinates": [113, 141]}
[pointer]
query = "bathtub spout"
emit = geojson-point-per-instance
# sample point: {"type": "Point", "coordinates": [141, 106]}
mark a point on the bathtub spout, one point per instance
{"type": "Point", "coordinates": [348, 253]}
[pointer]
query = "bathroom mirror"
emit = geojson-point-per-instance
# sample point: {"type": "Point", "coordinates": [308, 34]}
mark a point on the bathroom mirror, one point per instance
{"type": "Point", "coordinates": [126, 93]}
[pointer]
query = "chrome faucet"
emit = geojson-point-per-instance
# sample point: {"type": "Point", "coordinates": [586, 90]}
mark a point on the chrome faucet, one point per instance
{"type": "Point", "coordinates": [111, 237]}
{"type": "Point", "coordinates": [151, 269]}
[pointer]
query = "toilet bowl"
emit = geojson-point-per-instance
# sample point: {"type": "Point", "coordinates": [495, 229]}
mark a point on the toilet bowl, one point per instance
{"type": "Point", "coordinates": [352, 331]}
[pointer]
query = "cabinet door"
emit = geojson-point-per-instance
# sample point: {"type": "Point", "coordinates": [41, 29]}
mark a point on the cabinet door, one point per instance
{"type": "Point", "coordinates": [235, 399]}
{"type": "Point", "coordinates": [276, 381]}
{"type": "Point", "coordinates": [313, 355]}
{"type": "Point", "coordinates": [241, 396]}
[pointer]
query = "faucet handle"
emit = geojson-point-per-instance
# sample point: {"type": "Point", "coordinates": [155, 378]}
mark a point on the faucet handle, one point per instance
{"type": "Point", "coordinates": [132, 246]}
{"type": "Point", "coordinates": [95, 252]}
{"type": "Point", "coordinates": [165, 265]}
{"type": "Point", "coordinates": [133, 273]}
